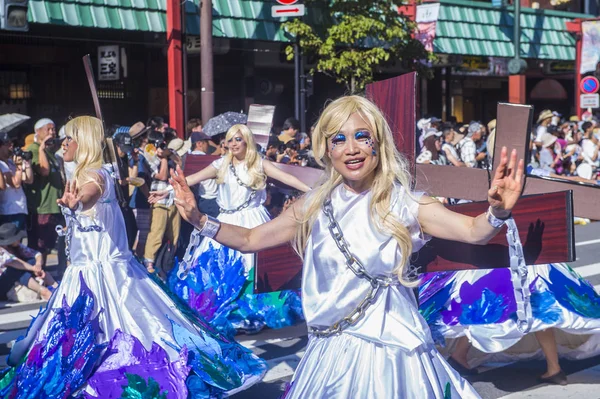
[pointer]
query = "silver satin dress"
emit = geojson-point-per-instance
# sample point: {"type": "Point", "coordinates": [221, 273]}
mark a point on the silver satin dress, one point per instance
{"type": "Point", "coordinates": [389, 352]}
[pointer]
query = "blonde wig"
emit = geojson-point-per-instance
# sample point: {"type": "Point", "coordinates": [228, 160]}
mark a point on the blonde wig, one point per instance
{"type": "Point", "coordinates": [258, 179]}
{"type": "Point", "coordinates": [88, 133]}
{"type": "Point", "coordinates": [391, 169]}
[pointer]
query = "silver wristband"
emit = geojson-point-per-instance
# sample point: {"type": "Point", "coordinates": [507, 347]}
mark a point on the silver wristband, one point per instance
{"type": "Point", "coordinates": [211, 227]}
{"type": "Point", "coordinates": [493, 220]}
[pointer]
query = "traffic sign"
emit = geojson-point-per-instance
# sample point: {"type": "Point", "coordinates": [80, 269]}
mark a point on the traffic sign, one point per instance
{"type": "Point", "coordinates": [296, 10]}
{"type": "Point", "coordinates": [589, 100]}
{"type": "Point", "coordinates": [589, 85]}
{"type": "Point", "coordinates": [287, 2]}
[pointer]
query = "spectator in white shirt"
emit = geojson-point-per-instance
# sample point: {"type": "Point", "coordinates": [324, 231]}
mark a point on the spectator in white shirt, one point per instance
{"type": "Point", "coordinates": [14, 172]}
{"type": "Point", "coordinates": [543, 121]}
{"type": "Point", "coordinates": [589, 145]}
{"type": "Point", "coordinates": [207, 189]}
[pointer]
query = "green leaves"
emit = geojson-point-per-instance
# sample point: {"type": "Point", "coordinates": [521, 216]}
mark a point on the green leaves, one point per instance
{"type": "Point", "coordinates": [359, 38]}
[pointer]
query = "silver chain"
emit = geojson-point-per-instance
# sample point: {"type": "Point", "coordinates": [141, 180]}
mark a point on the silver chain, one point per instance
{"type": "Point", "coordinates": [241, 183]}
{"type": "Point", "coordinates": [67, 232]}
{"type": "Point", "coordinates": [186, 262]}
{"type": "Point", "coordinates": [519, 272]}
{"type": "Point", "coordinates": [355, 265]}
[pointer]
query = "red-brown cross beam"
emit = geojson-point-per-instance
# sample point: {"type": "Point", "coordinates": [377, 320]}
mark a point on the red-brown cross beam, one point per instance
{"type": "Point", "coordinates": [545, 221]}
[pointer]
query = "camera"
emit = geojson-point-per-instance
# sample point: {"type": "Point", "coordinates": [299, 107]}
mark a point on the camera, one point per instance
{"type": "Point", "coordinates": [25, 155]}
{"type": "Point", "coordinates": [52, 142]}
{"type": "Point", "coordinates": [160, 144]}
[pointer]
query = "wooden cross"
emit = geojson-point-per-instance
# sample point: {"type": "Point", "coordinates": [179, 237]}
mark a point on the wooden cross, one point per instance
{"type": "Point", "coordinates": [545, 221]}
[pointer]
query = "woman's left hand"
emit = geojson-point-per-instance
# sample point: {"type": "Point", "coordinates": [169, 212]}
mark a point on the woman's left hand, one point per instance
{"type": "Point", "coordinates": [507, 184]}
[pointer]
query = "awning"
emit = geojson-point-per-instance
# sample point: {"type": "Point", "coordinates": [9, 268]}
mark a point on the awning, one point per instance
{"type": "Point", "coordinates": [478, 28]}
{"type": "Point", "coordinates": [239, 19]}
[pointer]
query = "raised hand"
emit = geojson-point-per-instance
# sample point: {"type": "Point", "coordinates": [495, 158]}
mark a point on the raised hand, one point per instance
{"type": "Point", "coordinates": [184, 198]}
{"type": "Point", "coordinates": [71, 196]}
{"type": "Point", "coordinates": [507, 184]}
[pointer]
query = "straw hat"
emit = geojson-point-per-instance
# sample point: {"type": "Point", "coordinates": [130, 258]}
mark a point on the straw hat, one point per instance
{"type": "Point", "coordinates": [179, 146]}
{"type": "Point", "coordinates": [545, 114]}
{"type": "Point", "coordinates": [138, 129]}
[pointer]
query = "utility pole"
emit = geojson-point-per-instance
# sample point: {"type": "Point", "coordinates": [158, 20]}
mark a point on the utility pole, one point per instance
{"type": "Point", "coordinates": [174, 67]}
{"type": "Point", "coordinates": [517, 66]}
{"type": "Point", "coordinates": [206, 61]}
{"type": "Point", "coordinates": [303, 95]}
{"type": "Point", "coordinates": [297, 73]}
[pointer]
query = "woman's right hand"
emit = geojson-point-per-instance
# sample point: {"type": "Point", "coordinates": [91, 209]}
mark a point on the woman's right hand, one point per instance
{"type": "Point", "coordinates": [156, 196]}
{"type": "Point", "coordinates": [71, 196]}
{"type": "Point", "coordinates": [185, 200]}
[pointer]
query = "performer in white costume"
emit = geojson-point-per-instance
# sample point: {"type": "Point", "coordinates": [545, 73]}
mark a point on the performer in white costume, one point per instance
{"type": "Point", "coordinates": [217, 282]}
{"type": "Point", "coordinates": [109, 330]}
{"type": "Point", "coordinates": [356, 231]}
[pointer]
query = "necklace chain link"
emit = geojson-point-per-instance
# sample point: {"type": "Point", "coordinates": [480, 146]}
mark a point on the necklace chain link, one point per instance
{"type": "Point", "coordinates": [241, 183]}
{"type": "Point", "coordinates": [356, 266]}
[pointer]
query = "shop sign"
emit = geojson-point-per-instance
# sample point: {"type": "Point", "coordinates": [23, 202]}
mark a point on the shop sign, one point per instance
{"type": "Point", "coordinates": [589, 101]}
{"type": "Point", "coordinates": [481, 66]}
{"type": "Point", "coordinates": [192, 44]}
{"type": "Point", "coordinates": [426, 18]}
{"type": "Point", "coordinates": [590, 47]}
{"type": "Point", "coordinates": [108, 63]}
{"type": "Point", "coordinates": [559, 67]}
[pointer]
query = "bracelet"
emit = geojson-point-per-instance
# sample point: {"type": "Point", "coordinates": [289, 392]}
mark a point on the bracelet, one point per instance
{"type": "Point", "coordinates": [494, 221]}
{"type": "Point", "coordinates": [211, 227]}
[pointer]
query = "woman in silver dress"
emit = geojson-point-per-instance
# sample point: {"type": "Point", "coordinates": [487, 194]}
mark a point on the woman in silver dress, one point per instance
{"type": "Point", "coordinates": [356, 231]}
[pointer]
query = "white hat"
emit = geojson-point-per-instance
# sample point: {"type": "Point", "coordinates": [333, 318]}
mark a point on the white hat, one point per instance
{"type": "Point", "coordinates": [61, 133]}
{"type": "Point", "coordinates": [431, 132]}
{"type": "Point", "coordinates": [179, 146]}
{"type": "Point", "coordinates": [423, 123]}
{"type": "Point", "coordinates": [548, 140]}
{"type": "Point", "coordinates": [42, 122]}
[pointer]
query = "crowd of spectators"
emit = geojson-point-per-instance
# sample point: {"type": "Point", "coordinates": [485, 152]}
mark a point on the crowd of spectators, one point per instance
{"type": "Point", "coordinates": [559, 147]}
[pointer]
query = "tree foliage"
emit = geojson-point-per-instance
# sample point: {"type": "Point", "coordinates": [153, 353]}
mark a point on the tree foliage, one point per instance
{"type": "Point", "coordinates": [356, 38]}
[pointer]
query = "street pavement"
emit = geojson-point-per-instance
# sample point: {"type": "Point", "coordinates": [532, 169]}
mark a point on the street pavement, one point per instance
{"type": "Point", "coordinates": [283, 349]}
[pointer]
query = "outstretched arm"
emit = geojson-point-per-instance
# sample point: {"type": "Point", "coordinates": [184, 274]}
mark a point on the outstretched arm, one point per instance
{"type": "Point", "coordinates": [87, 195]}
{"type": "Point", "coordinates": [274, 173]}
{"type": "Point", "coordinates": [438, 221]}
{"type": "Point", "coordinates": [210, 172]}
{"type": "Point", "coordinates": [276, 232]}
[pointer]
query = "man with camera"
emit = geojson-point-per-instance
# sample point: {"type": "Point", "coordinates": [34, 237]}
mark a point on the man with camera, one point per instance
{"type": "Point", "coordinates": [128, 156]}
{"type": "Point", "coordinates": [46, 188]}
{"type": "Point", "coordinates": [15, 169]}
{"type": "Point", "coordinates": [165, 220]}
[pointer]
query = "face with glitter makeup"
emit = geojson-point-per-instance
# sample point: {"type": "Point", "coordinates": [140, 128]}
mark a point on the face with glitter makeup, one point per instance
{"type": "Point", "coordinates": [353, 153]}
{"type": "Point", "coordinates": [237, 145]}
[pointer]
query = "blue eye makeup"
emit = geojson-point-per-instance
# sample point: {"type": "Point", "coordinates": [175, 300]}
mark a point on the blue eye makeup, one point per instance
{"type": "Point", "coordinates": [362, 134]}
{"type": "Point", "coordinates": [338, 138]}
{"type": "Point", "coordinates": [239, 139]}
